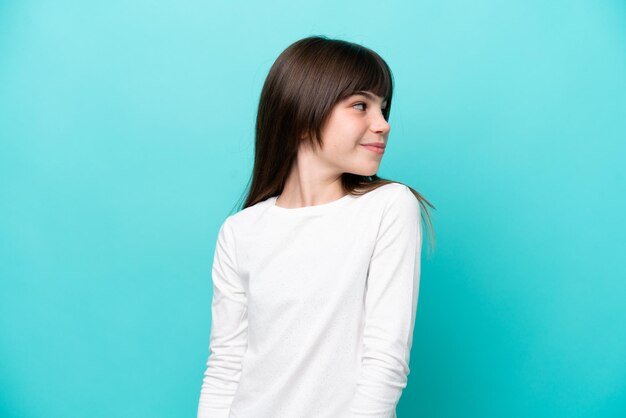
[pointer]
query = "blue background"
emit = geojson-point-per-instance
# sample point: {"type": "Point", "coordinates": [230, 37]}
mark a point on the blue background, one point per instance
{"type": "Point", "coordinates": [127, 138]}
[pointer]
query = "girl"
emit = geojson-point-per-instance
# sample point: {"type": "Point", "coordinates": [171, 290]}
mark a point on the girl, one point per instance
{"type": "Point", "coordinates": [315, 281]}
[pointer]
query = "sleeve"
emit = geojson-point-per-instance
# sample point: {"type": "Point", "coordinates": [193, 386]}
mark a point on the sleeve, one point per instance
{"type": "Point", "coordinates": [390, 305]}
{"type": "Point", "coordinates": [229, 325]}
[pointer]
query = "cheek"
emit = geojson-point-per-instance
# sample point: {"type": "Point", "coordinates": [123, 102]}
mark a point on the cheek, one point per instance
{"type": "Point", "coordinates": [344, 139]}
{"type": "Point", "coordinates": [341, 138]}
{"type": "Point", "coordinates": [341, 148]}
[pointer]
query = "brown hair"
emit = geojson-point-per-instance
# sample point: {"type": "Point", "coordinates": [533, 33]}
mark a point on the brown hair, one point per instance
{"type": "Point", "coordinates": [305, 82]}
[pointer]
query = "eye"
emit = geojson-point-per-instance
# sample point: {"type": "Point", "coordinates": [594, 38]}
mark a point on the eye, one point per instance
{"type": "Point", "coordinates": [382, 109]}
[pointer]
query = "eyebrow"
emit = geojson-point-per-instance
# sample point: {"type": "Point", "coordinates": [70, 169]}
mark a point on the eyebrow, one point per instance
{"type": "Point", "coordinates": [368, 94]}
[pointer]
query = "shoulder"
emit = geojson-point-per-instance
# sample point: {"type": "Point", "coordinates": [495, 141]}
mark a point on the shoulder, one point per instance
{"type": "Point", "coordinates": [395, 195]}
{"type": "Point", "coordinates": [247, 218]}
{"type": "Point", "coordinates": [398, 205]}
{"type": "Point", "coordinates": [391, 204]}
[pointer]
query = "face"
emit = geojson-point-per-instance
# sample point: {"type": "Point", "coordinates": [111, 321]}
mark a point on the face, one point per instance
{"type": "Point", "coordinates": [353, 122]}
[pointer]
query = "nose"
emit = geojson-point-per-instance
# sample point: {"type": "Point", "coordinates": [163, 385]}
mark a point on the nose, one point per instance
{"type": "Point", "coordinates": [380, 125]}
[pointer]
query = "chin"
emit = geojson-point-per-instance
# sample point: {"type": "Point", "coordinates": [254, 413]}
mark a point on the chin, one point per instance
{"type": "Point", "coordinates": [365, 171]}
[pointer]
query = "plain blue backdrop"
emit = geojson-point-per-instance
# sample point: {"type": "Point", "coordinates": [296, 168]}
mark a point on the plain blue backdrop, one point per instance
{"type": "Point", "coordinates": [127, 136]}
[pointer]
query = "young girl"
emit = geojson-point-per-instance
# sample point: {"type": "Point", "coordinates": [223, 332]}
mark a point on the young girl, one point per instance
{"type": "Point", "coordinates": [315, 281]}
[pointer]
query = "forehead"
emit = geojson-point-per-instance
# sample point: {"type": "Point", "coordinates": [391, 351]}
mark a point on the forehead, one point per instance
{"type": "Point", "coordinates": [369, 95]}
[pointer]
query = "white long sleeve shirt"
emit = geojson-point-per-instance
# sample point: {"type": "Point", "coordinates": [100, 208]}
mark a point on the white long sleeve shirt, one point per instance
{"type": "Point", "coordinates": [313, 308]}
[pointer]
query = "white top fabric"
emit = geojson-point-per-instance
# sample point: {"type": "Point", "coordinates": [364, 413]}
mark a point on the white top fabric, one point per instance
{"type": "Point", "coordinates": [313, 308]}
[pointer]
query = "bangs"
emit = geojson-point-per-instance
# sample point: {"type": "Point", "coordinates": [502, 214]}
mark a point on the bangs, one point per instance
{"type": "Point", "coordinates": [373, 75]}
{"type": "Point", "coordinates": [365, 70]}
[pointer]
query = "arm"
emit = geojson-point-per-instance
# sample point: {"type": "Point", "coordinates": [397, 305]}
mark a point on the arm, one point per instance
{"type": "Point", "coordinates": [229, 325]}
{"type": "Point", "coordinates": [390, 307]}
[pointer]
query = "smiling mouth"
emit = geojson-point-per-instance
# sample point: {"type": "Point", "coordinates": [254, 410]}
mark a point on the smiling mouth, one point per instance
{"type": "Point", "coordinates": [379, 149]}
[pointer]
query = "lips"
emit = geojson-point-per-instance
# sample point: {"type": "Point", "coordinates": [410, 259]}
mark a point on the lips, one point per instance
{"type": "Point", "coordinates": [378, 148]}
{"type": "Point", "coordinates": [376, 144]}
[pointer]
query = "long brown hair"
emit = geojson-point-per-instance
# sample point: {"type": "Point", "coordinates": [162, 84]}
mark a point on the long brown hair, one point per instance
{"type": "Point", "coordinates": [305, 82]}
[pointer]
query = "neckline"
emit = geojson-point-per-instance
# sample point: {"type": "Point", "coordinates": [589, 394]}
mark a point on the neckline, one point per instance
{"type": "Point", "coordinates": [313, 209]}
